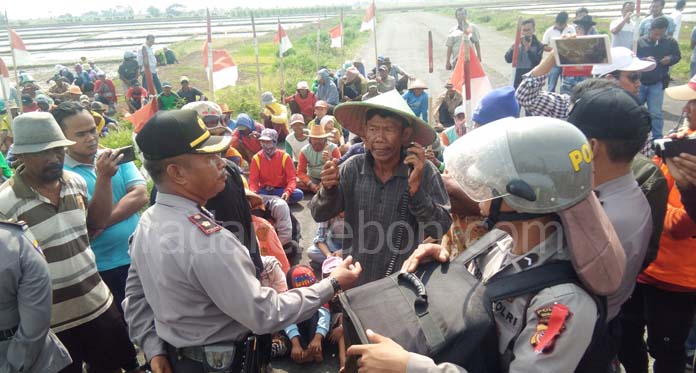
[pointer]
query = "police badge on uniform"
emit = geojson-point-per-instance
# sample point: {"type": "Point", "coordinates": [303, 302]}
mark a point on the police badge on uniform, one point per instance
{"type": "Point", "coordinates": [550, 323]}
{"type": "Point", "coordinates": [205, 224]}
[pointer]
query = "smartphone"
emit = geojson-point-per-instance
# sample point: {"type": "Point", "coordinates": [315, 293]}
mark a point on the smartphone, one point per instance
{"type": "Point", "coordinates": [128, 154]}
{"type": "Point", "coordinates": [668, 148]}
{"type": "Point", "coordinates": [582, 50]}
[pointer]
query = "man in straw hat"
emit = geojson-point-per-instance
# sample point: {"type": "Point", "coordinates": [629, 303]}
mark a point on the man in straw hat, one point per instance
{"type": "Point", "coordinates": [417, 98]}
{"type": "Point", "coordinates": [312, 158]}
{"type": "Point", "coordinates": [274, 115]}
{"type": "Point", "coordinates": [183, 263]}
{"type": "Point", "coordinates": [53, 202]}
{"type": "Point", "coordinates": [550, 218]}
{"type": "Point", "coordinates": [371, 188]}
{"type": "Point", "coordinates": [445, 104]}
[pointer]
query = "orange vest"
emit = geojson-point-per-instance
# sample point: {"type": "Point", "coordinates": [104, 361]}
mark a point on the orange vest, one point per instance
{"type": "Point", "coordinates": [676, 259]}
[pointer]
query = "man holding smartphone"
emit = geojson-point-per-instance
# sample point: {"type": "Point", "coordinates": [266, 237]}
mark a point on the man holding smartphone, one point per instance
{"type": "Point", "coordinates": [123, 194]}
{"type": "Point", "coordinates": [530, 51]}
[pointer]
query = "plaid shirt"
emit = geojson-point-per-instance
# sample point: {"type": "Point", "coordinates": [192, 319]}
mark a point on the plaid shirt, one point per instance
{"type": "Point", "coordinates": [550, 104]}
{"type": "Point", "coordinates": [541, 103]}
{"type": "Point", "coordinates": [371, 213]}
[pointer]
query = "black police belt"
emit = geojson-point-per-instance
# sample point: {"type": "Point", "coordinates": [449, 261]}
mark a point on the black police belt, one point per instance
{"type": "Point", "coordinates": [222, 357]}
{"type": "Point", "coordinates": [7, 334]}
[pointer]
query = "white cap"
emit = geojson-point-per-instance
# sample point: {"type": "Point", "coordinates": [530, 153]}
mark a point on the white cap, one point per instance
{"type": "Point", "coordinates": [461, 109]}
{"type": "Point", "coordinates": [623, 59]}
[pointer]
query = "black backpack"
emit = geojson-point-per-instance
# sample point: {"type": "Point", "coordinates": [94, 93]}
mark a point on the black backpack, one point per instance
{"type": "Point", "coordinates": [423, 311]}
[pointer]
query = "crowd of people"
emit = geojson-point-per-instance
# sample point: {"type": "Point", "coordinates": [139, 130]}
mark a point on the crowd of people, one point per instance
{"type": "Point", "coordinates": [204, 272]}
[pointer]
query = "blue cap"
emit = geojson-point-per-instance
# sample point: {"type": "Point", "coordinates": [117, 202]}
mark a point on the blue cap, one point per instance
{"type": "Point", "coordinates": [244, 120]}
{"type": "Point", "coordinates": [497, 104]}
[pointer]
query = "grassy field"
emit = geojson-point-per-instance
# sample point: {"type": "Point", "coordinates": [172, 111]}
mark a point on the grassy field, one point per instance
{"type": "Point", "coordinates": [300, 64]}
{"type": "Point", "coordinates": [506, 22]}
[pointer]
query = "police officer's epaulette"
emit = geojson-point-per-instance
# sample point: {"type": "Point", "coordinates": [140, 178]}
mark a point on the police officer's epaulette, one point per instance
{"type": "Point", "coordinates": [205, 224]}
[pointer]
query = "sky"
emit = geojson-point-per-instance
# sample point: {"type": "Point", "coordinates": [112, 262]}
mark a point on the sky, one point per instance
{"type": "Point", "coordinates": [52, 8]}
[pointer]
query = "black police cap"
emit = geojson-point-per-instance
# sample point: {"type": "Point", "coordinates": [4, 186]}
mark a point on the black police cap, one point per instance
{"type": "Point", "coordinates": [610, 114]}
{"type": "Point", "coordinates": [175, 132]}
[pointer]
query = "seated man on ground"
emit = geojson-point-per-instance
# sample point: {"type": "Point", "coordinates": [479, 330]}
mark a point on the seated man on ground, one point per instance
{"type": "Point", "coordinates": [271, 171]}
{"type": "Point", "coordinates": [312, 158]}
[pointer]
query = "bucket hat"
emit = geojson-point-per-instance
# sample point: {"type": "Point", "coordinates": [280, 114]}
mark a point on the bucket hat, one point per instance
{"type": "Point", "coordinates": [35, 132]}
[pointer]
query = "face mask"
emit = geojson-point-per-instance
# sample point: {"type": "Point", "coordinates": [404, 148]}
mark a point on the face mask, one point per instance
{"type": "Point", "coordinates": [268, 149]}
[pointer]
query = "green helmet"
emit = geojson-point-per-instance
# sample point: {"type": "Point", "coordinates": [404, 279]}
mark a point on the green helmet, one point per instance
{"type": "Point", "coordinates": [538, 165]}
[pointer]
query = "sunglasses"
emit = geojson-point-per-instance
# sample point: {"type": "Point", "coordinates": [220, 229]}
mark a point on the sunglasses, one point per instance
{"type": "Point", "coordinates": [634, 77]}
{"type": "Point", "coordinates": [211, 120]}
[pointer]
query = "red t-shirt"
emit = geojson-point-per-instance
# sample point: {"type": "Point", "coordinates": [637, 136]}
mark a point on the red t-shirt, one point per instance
{"type": "Point", "coordinates": [132, 90]}
{"type": "Point", "coordinates": [577, 71]}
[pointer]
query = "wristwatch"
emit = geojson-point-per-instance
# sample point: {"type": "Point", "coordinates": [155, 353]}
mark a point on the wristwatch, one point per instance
{"type": "Point", "coordinates": [335, 284]}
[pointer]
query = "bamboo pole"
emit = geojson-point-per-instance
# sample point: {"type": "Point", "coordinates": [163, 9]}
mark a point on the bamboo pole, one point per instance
{"type": "Point", "coordinates": [211, 85]}
{"type": "Point", "coordinates": [14, 63]}
{"type": "Point", "coordinates": [374, 32]}
{"type": "Point", "coordinates": [516, 51]}
{"type": "Point", "coordinates": [282, 62]}
{"type": "Point", "coordinates": [256, 53]}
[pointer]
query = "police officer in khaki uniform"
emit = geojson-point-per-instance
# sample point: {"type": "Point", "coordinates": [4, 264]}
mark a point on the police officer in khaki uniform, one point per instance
{"type": "Point", "coordinates": [26, 342]}
{"type": "Point", "coordinates": [193, 303]}
{"type": "Point", "coordinates": [542, 209]}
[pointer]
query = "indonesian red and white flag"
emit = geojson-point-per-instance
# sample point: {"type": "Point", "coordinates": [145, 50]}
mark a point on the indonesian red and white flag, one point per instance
{"type": "Point", "coordinates": [4, 80]}
{"type": "Point", "coordinates": [336, 35]}
{"type": "Point", "coordinates": [480, 85]}
{"type": "Point", "coordinates": [368, 22]}
{"type": "Point", "coordinates": [282, 37]}
{"type": "Point", "coordinates": [225, 71]}
{"type": "Point", "coordinates": [22, 56]}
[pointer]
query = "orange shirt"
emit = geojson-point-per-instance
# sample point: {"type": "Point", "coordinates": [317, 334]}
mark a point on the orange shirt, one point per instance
{"type": "Point", "coordinates": [277, 172]}
{"type": "Point", "coordinates": [676, 260]}
{"type": "Point", "coordinates": [269, 243]}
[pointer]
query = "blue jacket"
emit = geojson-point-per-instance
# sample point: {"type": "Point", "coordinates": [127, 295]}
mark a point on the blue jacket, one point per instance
{"type": "Point", "coordinates": [419, 104]}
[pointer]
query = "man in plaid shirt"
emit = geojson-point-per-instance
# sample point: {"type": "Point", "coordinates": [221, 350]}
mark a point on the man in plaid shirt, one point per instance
{"type": "Point", "coordinates": [625, 70]}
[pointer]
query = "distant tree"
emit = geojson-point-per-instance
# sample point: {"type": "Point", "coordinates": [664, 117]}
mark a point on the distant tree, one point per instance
{"type": "Point", "coordinates": [154, 12]}
{"type": "Point", "coordinates": [90, 16]}
{"type": "Point", "coordinates": [174, 10]}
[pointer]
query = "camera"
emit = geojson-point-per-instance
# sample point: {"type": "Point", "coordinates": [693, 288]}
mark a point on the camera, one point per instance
{"type": "Point", "coordinates": [668, 148]}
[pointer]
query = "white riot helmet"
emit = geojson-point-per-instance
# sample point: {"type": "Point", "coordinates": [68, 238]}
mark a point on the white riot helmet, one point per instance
{"type": "Point", "coordinates": [542, 166]}
{"type": "Point", "coordinates": [538, 165]}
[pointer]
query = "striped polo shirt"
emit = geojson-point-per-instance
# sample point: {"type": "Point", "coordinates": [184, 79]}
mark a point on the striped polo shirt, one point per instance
{"type": "Point", "coordinates": [79, 294]}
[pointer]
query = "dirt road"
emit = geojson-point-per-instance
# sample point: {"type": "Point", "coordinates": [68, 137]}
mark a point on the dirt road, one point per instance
{"type": "Point", "coordinates": [404, 36]}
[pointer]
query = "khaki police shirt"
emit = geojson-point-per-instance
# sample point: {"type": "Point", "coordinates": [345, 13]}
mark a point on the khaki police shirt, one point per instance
{"type": "Point", "coordinates": [25, 302]}
{"type": "Point", "coordinates": [517, 320]}
{"type": "Point", "coordinates": [192, 284]}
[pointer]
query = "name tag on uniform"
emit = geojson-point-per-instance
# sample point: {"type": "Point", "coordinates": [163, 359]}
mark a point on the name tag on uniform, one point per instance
{"type": "Point", "coordinates": [205, 224]}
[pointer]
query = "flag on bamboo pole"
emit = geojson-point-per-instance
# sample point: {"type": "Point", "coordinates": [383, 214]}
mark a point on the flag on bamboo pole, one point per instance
{"type": "Point", "coordinates": [142, 115]}
{"type": "Point", "coordinates": [22, 56]}
{"type": "Point", "coordinates": [336, 34]}
{"type": "Point", "coordinates": [4, 80]}
{"type": "Point", "coordinates": [368, 21]}
{"type": "Point", "coordinates": [282, 38]}
{"type": "Point", "coordinates": [479, 86]}
{"type": "Point", "coordinates": [225, 71]}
